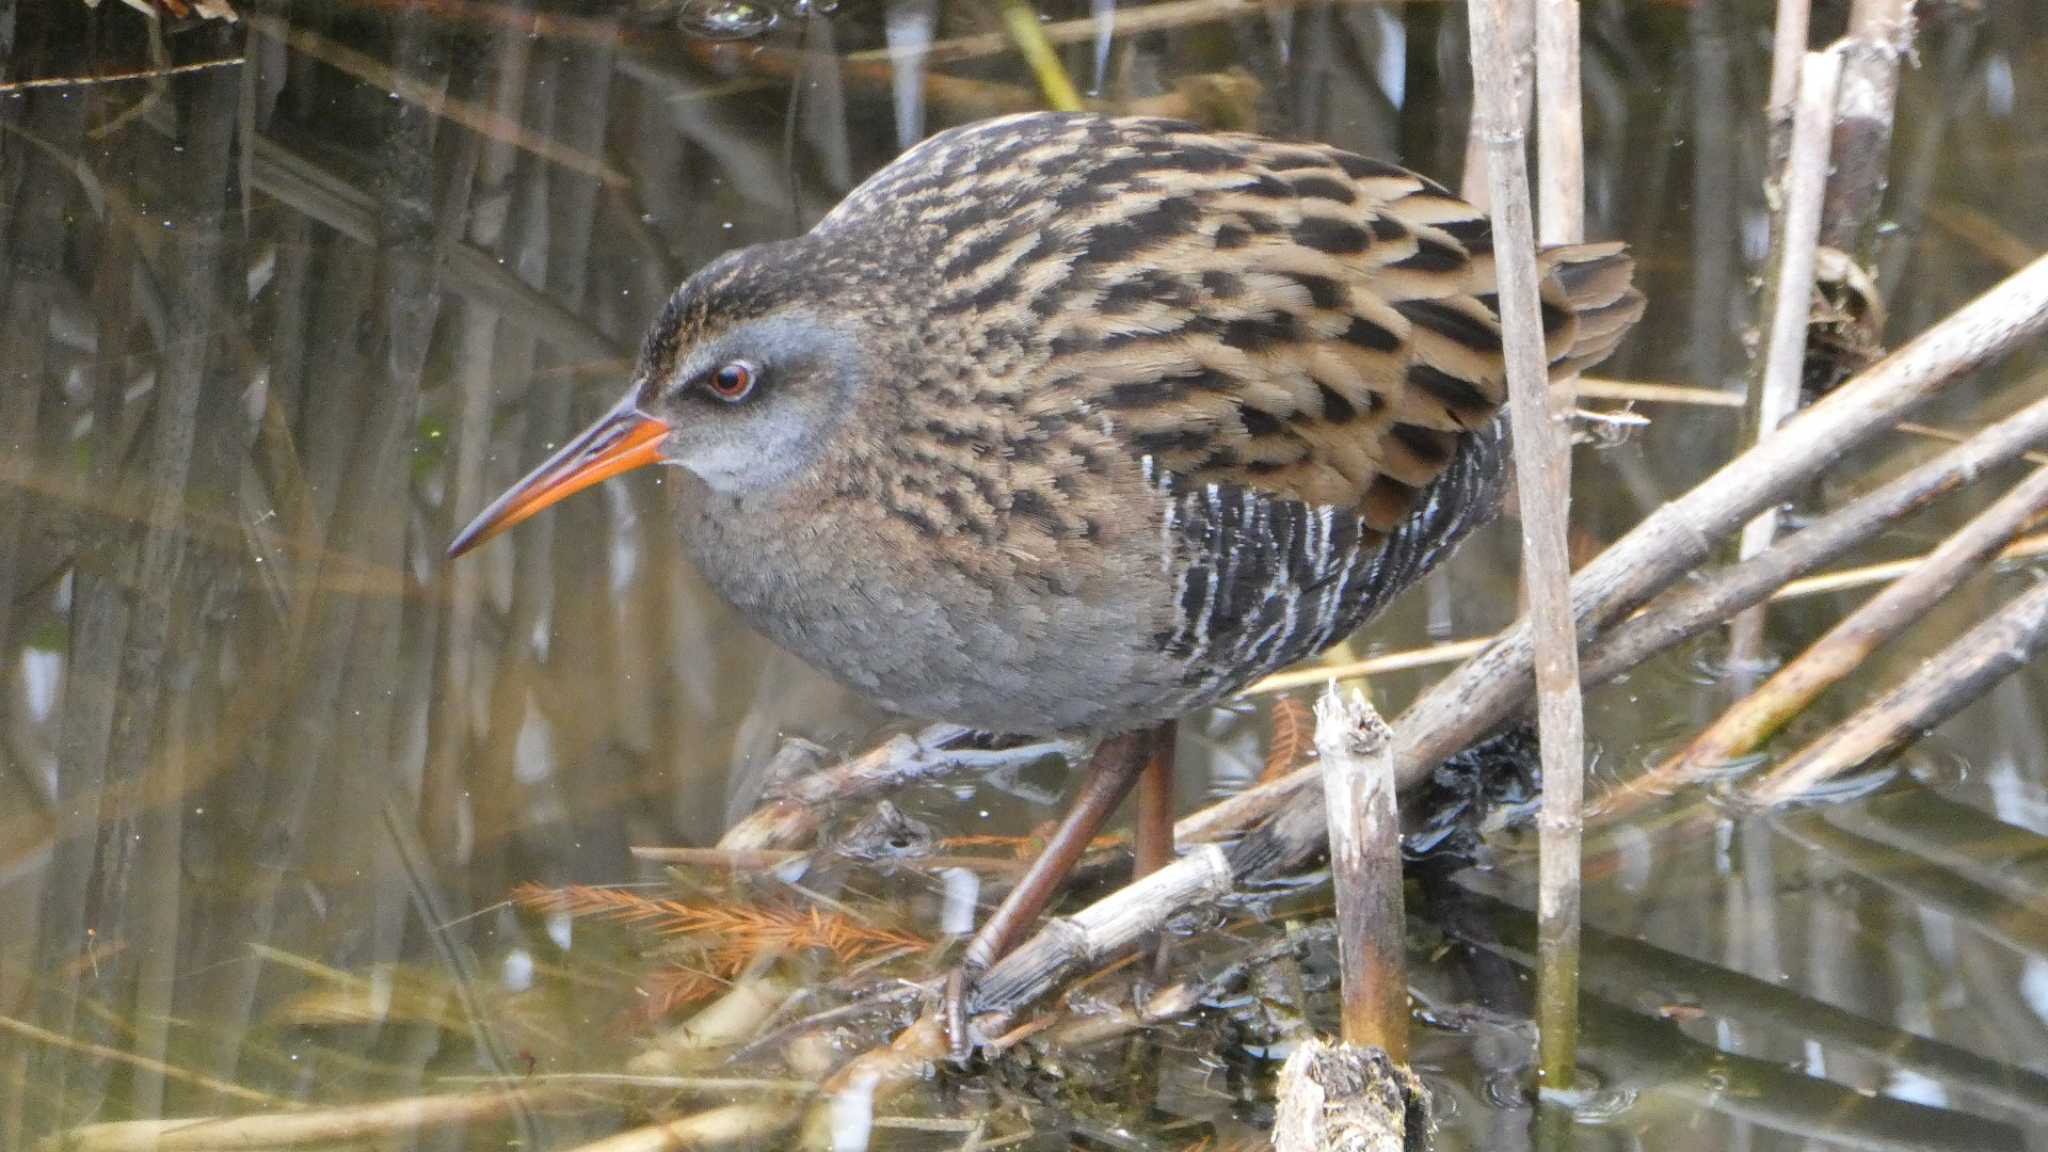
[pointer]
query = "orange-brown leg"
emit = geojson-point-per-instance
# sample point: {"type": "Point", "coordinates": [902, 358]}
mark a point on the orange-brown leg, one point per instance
{"type": "Point", "coordinates": [1155, 804]}
{"type": "Point", "coordinates": [1116, 765]}
{"type": "Point", "coordinates": [1111, 771]}
{"type": "Point", "coordinates": [1154, 847]}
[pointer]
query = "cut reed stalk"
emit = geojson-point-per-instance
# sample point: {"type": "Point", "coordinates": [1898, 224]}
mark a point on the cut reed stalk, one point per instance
{"type": "Point", "coordinates": [1543, 487]}
{"type": "Point", "coordinates": [1355, 748]}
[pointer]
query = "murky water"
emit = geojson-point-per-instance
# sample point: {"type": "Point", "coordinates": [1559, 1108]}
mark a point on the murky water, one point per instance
{"type": "Point", "coordinates": [276, 322]}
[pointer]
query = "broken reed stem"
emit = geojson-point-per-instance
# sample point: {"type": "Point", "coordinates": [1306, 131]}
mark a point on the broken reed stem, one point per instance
{"type": "Point", "coordinates": [1541, 481]}
{"type": "Point", "coordinates": [1098, 932]}
{"type": "Point", "coordinates": [1790, 295]}
{"type": "Point", "coordinates": [1753, 720]}
{"type": "Point", "coordinates": [1940, 687]}
{"type": "Point", "coordinates": [1355, 749]}
{"type": "Point", "coordinates": [1880, 31]}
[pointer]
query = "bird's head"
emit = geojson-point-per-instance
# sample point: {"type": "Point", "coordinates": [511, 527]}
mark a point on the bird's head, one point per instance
{"type": "Point", "coordinates": [740, 381]}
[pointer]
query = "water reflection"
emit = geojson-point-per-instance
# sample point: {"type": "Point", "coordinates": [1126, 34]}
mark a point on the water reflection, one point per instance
{"type": "Point", "coordinates": [275, 322]}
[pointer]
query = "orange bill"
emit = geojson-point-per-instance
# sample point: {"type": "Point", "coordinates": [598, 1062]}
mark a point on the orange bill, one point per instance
{"type": "Point", "coordinates": [622, 441]}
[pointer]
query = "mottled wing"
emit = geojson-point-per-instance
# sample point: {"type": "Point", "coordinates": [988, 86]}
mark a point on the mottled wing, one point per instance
{"type": "Point", "coordinates": [1286, 317]}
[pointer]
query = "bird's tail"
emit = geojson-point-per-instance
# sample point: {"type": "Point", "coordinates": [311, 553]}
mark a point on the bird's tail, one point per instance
{"type": "Point", "coordinates": [1594, 284]}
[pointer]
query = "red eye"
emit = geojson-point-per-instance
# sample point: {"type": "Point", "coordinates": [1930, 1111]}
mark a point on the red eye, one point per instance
{"type": "Point", "coordinates": [733, 381]}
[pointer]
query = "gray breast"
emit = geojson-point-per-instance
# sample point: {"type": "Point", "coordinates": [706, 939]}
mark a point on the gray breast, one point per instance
{"type": "Point", "coordinates": [921, 636]}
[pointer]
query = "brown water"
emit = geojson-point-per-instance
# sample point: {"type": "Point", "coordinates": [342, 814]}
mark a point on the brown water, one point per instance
{"type": "Point", "coordinates": [269, 768]}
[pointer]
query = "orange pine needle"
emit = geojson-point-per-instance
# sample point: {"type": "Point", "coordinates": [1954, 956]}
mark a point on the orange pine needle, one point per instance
{"type": "Point", "coordinates": [1291, 731]}
{"type": "Point", "coordinates": [739, 926]}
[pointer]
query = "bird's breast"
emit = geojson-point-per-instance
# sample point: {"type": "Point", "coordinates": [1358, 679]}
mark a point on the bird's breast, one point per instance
{"type": "Point", "coordinates": [1008, 632]}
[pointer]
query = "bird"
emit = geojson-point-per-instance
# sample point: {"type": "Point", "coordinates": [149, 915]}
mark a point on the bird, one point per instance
{"type": "Point", "coordinates": [1072, 424]}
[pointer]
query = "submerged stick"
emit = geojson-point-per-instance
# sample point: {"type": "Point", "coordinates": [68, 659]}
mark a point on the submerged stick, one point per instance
{"type": "Point", "coordinates": [1747, 724]}
{"type": "Point", "coordinates": [1541, 480]}
{"type": "Point", "coordinates": [790, 819]}
{"type": "Point", "coordinates": [1940, 687]}
{"type": "Point", "coordinates": [1790, 296]}
{"type": "Point", "coordinates": [743, 1124]}
{"type": "Point", "coordinates": [1355, 748]}
{"type": "Point", "coordinates": [326, 1126]}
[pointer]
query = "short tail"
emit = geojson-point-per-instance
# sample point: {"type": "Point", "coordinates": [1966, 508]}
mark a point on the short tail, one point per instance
{"type": "Point", "coordinates": [1594, 285]}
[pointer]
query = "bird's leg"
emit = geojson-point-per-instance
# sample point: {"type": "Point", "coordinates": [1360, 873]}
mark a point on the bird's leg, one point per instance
{"type": "Point", "coordinates": [1116, 764]}
{"type": "Point", "coordinates": [1154, 847]}
{"type": "Point", "coordinates": [1111, 771]}
{"type": "Point", "coordinates": [1155, 803]}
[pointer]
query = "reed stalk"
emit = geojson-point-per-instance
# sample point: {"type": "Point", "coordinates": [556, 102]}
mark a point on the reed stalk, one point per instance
{"type": "Point", "coordinates": [1543, 487]}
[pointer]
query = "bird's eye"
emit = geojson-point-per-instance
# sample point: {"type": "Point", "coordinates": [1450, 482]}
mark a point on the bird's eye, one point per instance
{"type": "Point", "coordinates": [733, 380]}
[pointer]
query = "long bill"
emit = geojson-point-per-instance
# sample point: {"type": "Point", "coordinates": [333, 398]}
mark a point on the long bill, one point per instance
{"type": "Point", "coordinates": [623, 440]}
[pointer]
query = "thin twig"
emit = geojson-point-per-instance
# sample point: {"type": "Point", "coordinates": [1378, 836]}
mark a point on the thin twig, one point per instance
{"type": "Point", "coordinates": [1649, 392]}
{"type": "Point", "coordinates": [790, 819]}
{"type": "Point", "coordinates": [117, 77]}
{"type": "Point", "coordinates": [167, 1071]}
{"type": "Point", "coordinates": [759, 859]}
{"type": "Point", "coordinates": [349, 1124]}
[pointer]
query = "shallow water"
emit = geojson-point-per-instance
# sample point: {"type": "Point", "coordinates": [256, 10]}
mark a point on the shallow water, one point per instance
{"type": "Point", "coordinates": [276, 324]}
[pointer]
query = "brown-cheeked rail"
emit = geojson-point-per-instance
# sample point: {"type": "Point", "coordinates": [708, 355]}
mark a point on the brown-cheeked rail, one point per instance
{"type": "Point", "coordinates": [1070, 425]}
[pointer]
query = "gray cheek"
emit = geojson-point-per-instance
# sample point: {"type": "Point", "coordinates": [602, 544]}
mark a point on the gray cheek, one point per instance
{"type": "Point", "coordinates": [750, 456]}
